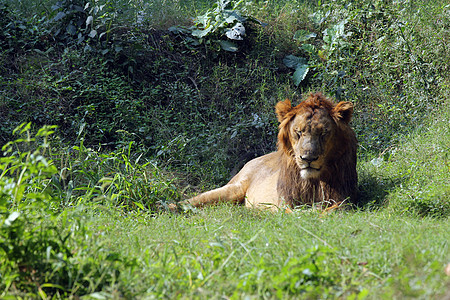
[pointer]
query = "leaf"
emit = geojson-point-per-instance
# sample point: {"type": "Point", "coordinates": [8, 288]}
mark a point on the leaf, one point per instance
{"type": "Point", "coordinates": [236, 32]}
{"type": "Point", "coordinates": [322, 54]}
{"type": "Point", "coordinates": [303, 35]}
{"type": "Point", "coordinates": [300, 64]}
{"type": "Point", "coordinates": [339, 28]}
{"type": "Point", "coordinates": [59, 16]}
{"type": "Point", "coordinates": [311, 49]}
{"type": "Point", "coordinates": [80, 38]}
{"type": "Point", "coordinates": [11, 218]}
{"type": "Point", "coordinates": [72, 30]}
{"type": "Point", "coordinates": [201, 33]}
{"type": "Point", "coordinates": [203, 20]}
{"type": "Point", "coordinates": [139, 205]}
{"type": "Point", "coordinates": [93, 33]}
{"type": "Point", "coordinates": [300, 73]}
{"type": "Point", "coordinates": [78, 8]}
{"type": "Point", "coordinates": [234, 16]}
{"type": "Point", "coordinates": [292, 61]}
{"type": "Point", "coordinates": [89, 21]}
{"type": "Point", "coordinates": [334, 33]}
{"type": "Point", "coordinates": [228, 46]}
{"type": "Point", "coordinates": [52, 285]}
{"type": "Point", "coordinates": [318, 18]}
{"type": "Point", "coordinates": [231, 19]}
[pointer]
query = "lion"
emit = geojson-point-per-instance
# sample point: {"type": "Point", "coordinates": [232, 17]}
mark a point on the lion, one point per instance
{"type": "Point", "coordinates": [315, 162]}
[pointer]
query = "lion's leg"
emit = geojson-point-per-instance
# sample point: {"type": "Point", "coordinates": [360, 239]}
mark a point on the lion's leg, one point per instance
{"type": "Point", "coordinates": [232, 193]}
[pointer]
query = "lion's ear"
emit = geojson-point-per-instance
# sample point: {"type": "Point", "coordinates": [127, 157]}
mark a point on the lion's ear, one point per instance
{"type": "Point", "coordinates": [282, 108]}
{"type": "Point", "coordinates": [343, 111]}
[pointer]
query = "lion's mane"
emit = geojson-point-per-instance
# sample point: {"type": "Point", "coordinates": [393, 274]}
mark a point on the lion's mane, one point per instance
{"type": "Point", "coordinates": [339, 178]}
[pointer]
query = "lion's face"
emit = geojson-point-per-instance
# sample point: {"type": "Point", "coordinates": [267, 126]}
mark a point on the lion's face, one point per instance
{"type": "Point", "coordinates": [311, 135]}
{"type": "Point", "coordinates": [308, 132]}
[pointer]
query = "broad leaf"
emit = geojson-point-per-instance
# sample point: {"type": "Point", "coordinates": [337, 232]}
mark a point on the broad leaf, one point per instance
{"type": "Point", "coordinates": [228, 46]}
{"type": "Point", "coordinates": [93, 33]}
{"type": "Point", "coordinates": [300, 73]}
{"type": "Point", "coordinates": [231, 19]}
{"type": "Point", "coordinates": [236, 33]}
{"type": "Point", "coordinates": [11, 218]}
{"type": "Point", "coordinates": [72, 30]}
{"type": "Point", "coordinates": [202, 33]}
{"type": "Point", "coordinates": [292, 61]}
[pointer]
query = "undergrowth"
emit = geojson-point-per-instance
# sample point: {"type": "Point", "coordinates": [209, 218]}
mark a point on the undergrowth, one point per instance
{"type": "Point", "coordinates": [44, 238]}
{"type": "Point", "coordinates": [413, 176]}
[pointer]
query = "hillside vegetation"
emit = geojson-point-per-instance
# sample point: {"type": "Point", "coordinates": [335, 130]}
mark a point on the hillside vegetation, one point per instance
{"type": "Point", "coordinates": [111, 109]}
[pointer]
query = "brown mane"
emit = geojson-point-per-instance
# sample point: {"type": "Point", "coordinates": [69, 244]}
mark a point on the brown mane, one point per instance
{"type": "Point", "coordinates": [340, 177]}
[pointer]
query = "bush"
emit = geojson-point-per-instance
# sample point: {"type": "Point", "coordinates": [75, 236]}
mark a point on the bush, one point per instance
{"type": "Point", "coordinates": [370, 53]}
{"type": "Point", "coordinates": [46, 250]}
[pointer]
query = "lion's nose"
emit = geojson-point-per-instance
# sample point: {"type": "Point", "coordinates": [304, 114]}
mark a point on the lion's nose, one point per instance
{"type": "Point", "coordinates": [309, 157]}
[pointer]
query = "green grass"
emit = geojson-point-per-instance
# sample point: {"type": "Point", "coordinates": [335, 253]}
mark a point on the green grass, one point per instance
{"type": "Point", "coordinates": [412, 177]}
{"type": "Point", "coordinates": [235, 252]}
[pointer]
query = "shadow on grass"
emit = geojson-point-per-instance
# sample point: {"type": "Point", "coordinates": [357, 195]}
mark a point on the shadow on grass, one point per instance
{"type": "Point", "coordinates": [373, 190]}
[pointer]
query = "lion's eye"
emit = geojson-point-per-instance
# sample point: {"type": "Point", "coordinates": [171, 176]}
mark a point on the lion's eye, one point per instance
{"type": "Point", "coordinates": [299, 133]}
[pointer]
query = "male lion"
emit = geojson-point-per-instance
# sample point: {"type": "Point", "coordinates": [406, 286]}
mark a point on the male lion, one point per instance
{"type": "Point", "coordinates": [315, 162]}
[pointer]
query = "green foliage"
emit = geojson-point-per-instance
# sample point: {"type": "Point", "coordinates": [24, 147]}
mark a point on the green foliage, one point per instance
{"type": "Point", "coordinates": [222, 26]}
{"type": "Point", "coordinates": [412, 177]}
{"type": "Point", "coordinates": [8, 29]}
{"type": "Point", "coordinates": [422, 168]}
{"type": "Point", "coordinates": [18, 36]}
{"type": "Point", "coordinates": [333, 45]}
{"type": "Point", "coordinates": [300, 65]}
{"type": "Point", "coordinates": [70, 21]}
{"type": "Point", "coordinates": [115, 179]}
{"type": "Point", "coordinates": [20, 168]}
{"type": "Point", "coordinates": [38, 256]}
{"type": "Point", "coordinates": [374, 54]}
{"type": "Point", "coordinates": [90, 26]}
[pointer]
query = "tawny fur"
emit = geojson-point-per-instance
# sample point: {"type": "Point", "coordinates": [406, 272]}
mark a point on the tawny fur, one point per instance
{"type": "Point", "coordinates": [335, 184]}
{"type": "Point", "coordinates": [275, 180]}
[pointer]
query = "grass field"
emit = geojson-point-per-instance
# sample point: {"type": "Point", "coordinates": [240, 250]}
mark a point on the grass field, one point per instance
{"type": "Point", "coordinates": [149, 110]}
{"type": "Point", "coordinates": [231, 252]}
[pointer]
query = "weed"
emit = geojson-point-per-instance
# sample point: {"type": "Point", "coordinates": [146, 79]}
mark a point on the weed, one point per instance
{"type": "Point", "coordinates": [38, 257]}
{"type": "Point", "coordinates": [211, 29]}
